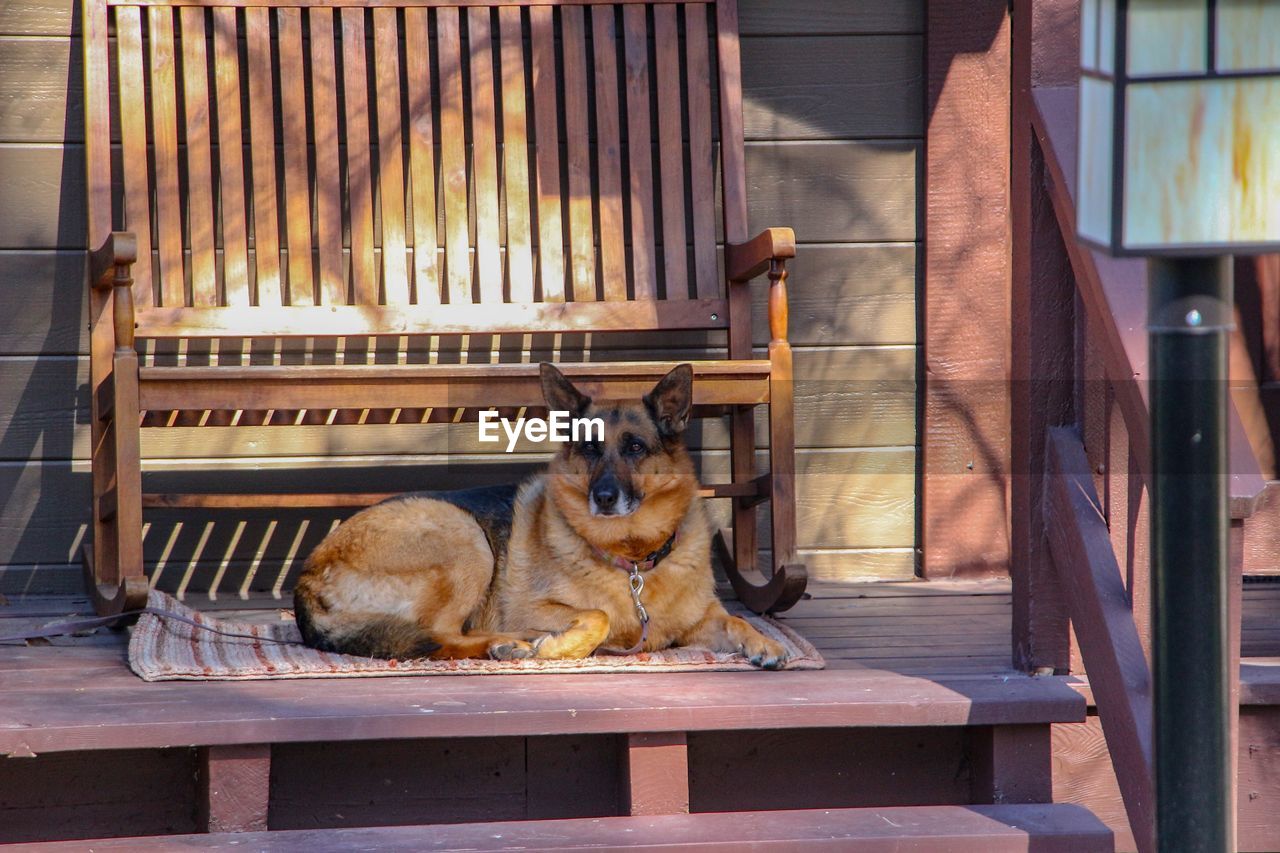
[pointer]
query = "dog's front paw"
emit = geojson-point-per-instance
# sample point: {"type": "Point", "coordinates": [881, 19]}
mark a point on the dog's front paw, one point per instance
{"type": "Point", "coordinates": [511, 650]}
{"type": "Point", "coordinates": [764, 653]}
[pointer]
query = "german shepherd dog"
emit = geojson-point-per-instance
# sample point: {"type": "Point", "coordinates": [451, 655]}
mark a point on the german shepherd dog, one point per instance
{"type": "Point", "coordinates": [542, 570]}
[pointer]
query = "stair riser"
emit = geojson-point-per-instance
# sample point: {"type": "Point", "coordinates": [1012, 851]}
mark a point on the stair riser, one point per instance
{"type": "Point", "coordinates": [396, 782]}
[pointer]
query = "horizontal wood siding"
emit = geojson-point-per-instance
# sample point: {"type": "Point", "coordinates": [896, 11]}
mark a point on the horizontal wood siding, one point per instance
{"type": "Point", "coordinates": [833, 103]}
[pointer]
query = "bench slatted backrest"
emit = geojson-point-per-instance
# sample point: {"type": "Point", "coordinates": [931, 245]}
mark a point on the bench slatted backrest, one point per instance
{"type": "Point", "coordinates": [535, 165]}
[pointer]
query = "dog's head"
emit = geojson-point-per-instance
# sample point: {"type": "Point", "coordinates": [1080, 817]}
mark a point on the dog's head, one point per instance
{"type": "Point", "coordinates": [628, 461]}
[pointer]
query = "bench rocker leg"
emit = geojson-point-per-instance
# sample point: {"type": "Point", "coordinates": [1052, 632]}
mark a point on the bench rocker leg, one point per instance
{"type": "Point", "coordinates": [786, 584]}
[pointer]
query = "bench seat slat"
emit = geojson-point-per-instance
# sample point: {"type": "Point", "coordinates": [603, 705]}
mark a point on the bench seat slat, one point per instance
{"type": "Point", "coordinates": [419, 386]}
{"type": "Point", "coordinates": [311, 500]}
{"type": "Point", "coordinates": [311, 321]}
{"type": "Point", "coordinates": [376, 3]}
{"type": "Point", "coordinates": [589, 371]}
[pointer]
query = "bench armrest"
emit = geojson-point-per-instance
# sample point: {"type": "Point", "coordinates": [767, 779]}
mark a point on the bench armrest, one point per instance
{"type": "Point", "coordinates": [745, 261]}
{"type": "Point", "coordinates": [766, 252]}
{"type": "Point", "coordinates": [119, 250]}
{"type": "Point", "coordinates": [111, 269]}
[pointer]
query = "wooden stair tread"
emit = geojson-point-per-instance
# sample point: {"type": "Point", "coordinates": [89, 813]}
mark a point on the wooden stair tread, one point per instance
{"type": "Point", "coordinates": [1260, 681]}
{"type": "Point", "coordinates": [60, 699]}
{"type": "Point", "coordinates": [960, 829]}
{"type": "Point", "coordinates": [69, 695]}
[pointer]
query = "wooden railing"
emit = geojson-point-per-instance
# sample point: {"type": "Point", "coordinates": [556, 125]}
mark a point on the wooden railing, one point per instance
{"type": "Point", "coordinates": [1082, 339]}
{"type": "Point", "coordinates": [1104, 626]}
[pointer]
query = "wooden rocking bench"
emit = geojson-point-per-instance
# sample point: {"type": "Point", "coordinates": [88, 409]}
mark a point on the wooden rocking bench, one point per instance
{"type": "Point", "coordinates": [337, 170]}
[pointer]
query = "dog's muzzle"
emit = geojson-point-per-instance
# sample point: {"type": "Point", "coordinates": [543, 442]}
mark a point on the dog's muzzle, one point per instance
{"type": "Point", "coordinates": [608, 498]}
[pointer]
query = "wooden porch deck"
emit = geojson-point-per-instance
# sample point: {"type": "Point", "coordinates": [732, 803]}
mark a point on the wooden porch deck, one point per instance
{"type": "Point", "coordinates": [938, 630]}
{"type": "Point", "coordinates": [934, 630]}
{"type": "Point", "coordinates": [898, 654]}
{"type": "Point", "coordinates": [919, 700]}
{"type": "Point", "coordinates": [918, 697]}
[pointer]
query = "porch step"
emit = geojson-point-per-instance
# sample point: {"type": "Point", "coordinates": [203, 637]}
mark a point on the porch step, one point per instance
{"type": "Point", "coordinates": [158, 759]}
{"type": "Point", "coordinates": [958, 829]}
{"type": "Point", "coordinates": [79, 699]}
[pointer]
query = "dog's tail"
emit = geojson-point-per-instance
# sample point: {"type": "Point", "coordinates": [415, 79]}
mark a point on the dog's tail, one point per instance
{"type": "Point", "coordinates": [371, 637]}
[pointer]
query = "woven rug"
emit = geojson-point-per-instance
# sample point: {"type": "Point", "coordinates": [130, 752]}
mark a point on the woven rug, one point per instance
{"type": "Point", "coordinates": [163, 649]}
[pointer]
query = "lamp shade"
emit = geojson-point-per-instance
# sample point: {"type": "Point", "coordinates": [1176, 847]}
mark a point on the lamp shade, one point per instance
{"type": "Point", "coordinates": [1179, 149]}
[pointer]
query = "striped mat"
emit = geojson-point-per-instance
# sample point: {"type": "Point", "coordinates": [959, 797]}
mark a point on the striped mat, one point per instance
{"type": "Point", "coordinates": [164, 649]}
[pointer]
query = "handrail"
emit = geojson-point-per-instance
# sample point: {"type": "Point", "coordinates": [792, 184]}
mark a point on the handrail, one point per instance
{"type": "Point", "coordinates": [1080, 545]}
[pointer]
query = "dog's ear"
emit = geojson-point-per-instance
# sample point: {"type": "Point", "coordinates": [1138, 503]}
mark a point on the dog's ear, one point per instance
{"type": "Point", "coordinates": [671, 400]}
{"type": "Point", "coordinates": [559, 392]}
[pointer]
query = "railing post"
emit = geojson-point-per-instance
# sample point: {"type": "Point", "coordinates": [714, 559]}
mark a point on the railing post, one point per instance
{"type": "Point", "coordinates": [1042, 344]}
{"type": "Point", "coordinates": [1190, 317]}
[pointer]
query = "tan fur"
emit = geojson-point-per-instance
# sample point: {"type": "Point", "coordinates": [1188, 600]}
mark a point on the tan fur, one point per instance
{"type": "Point", "coordinates": [417, 575]}
{"type": "Point", "coordinates": [380, 564]}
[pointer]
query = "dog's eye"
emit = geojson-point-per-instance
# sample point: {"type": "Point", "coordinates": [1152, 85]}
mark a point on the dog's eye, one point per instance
{"type": "Point", "coordinates": [636, 447]}
{"type": "Point", "coordinates": [589, 449]}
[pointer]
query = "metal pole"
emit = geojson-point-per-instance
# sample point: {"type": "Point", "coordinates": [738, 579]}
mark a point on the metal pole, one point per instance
{"type": "Point", "coordinates": [1190, 316]}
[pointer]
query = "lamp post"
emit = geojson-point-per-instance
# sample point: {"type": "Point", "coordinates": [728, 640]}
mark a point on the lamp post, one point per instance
{"type": "Point", "coordinates": [1179, 161]}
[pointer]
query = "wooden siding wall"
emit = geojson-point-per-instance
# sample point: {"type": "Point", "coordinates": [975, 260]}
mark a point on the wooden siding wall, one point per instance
{"type": "Point", "coordinates": [833, 109]}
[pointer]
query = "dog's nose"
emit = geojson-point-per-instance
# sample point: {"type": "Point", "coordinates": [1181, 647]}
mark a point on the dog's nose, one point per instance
{"type": "Point", "coordinates": [605, 495]}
